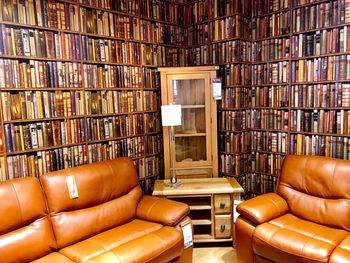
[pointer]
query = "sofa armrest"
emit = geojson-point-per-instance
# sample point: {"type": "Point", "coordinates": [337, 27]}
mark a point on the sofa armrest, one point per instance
{"type": "Point", "coordinates": [161, 210]}
{"type": "Point", "coordinates": [263, 208]}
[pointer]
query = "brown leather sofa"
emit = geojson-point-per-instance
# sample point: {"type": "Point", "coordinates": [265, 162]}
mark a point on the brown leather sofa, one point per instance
{"type": "Point", "coordinates": [106, 218]}
{"type": "Point", "coordinates": [306, 220]}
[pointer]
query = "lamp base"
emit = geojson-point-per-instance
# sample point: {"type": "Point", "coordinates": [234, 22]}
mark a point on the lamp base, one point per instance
{"type": "Point", "coordinates": [172, 184]}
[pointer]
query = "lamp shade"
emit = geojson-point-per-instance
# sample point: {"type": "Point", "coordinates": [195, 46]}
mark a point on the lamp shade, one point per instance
{"type": "Point", "coordinates": [171, 115]}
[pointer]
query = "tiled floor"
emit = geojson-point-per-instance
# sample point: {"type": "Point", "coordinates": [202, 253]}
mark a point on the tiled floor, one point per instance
{"type": "Point", "coordinates": [214, 255]}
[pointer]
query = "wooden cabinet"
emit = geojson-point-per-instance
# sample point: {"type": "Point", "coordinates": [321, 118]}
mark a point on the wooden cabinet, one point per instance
{"type": "Point", "coordinates": [196, 138]}
{"type": "Point", "coordinates": [211, 205]}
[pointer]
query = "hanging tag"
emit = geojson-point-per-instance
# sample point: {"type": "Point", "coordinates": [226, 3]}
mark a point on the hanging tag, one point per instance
{"type": "Point", "coordinates": [72, 187]}
{"type": "Point", "coordinates": [217, 89]}
{"type": "Point", "coordinates": [187, 233]}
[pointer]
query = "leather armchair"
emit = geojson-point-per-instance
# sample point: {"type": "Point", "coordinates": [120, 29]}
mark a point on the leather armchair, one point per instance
{"type": "Point", "coordinates": [306, 220]}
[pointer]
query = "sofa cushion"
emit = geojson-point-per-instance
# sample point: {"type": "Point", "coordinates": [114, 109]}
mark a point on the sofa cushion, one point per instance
{"type": "Point", "coordinates": [23, 221]}
{"type": "Point", "coordinates": [163, 245]}
{"type": "Point", "coordinates": [342, 252]}
{"type": "Point", "coordinates": [106, 241]}
{"type": "Point", "coordinates": [53, 257]}
{"type": "Point", "coordinates": [108, 194]}
{"type": "Point", "coordinates": [318, 182]}
{"type": "Point", "coordinates": [291, 239]}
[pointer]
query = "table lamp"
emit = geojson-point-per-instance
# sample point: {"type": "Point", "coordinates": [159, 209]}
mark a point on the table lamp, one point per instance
{"type": "Point", "coordinates": [171, 116]}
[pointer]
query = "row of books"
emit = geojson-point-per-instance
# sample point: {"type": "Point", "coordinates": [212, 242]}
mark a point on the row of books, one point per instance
{"type": "Point", "coordinates": [263, 7]}
{"type": "Point", "coordinates": [27, 105]}
{"type": "Point", "coordinates": [150, 78]}
{"type": "Point", "coordinates": [110, 76]}
{"type": "Point", "coordinates": [21, 137]}
{"type": "Point", "coordinates": [229, 27]}
{"type": "Point", "coordinates": [271, 73]}
{"type": "Point", "coordinates": [197, 56]}
{"type": "Point", "coordinates": [107, 50]}
{"type": "Point", "coordinates": [156, 32]}
{"type": "Point", "coordinates": [226, 8]}
{"type": "Point", "coordinates": [324, 14]}
{"type": "Point", "coordinates": [196, 12]}
{"type": "Point", "coordinates": [156, 55]}
{"type": "Point", "coordinates": [311, 144]}
{"type": "Point", "coordinates": [270, 49]}
{"type": "Point", "coordinates": [256, 183]}
{"type": "Point", "coordinates": [236, 97]}
{"type": "Point", "coordinates": [321, 69]}
{"type": "Point", "coordinates": [39, 43]}
{"type": "Point", "coordinates": [152, 122]}
{"type": "Point", "coordinates": [235, 74]}
{"type": "Point", "coordinates": [151, 101]}
{"type": "Point", "coordinates": [235, 142]}
{"type": "Point", "coordinates": [274, 25]}
{"type": "Point", "coordinates": [41, 13]}
{"type": "Point", "coordinates": [18, 74]}
{"type": "Point", "coordinates": [146, 167]}
{"type": "Point", "coordinates": [269, 119]}
{"type": "Point", "coordinates": [320, 121]}
{"type": "Point", "coordinates": [270, 96]}
{"type": "Point", "coordinates": [269, 141]}
{"type": "Point", "coordinates": [114, 127]}
{"type": "Point", "coordinates": [103, 23]}
{"type": "Point", "coordinates": [41, 162]}
{"type": "Point", "coordinates": [230, 52]}
{"type": "Point", "coordinates": [110, 102]}
{"type": "Point", "coordinates": [235, 165]}
{"type": "Point", "coordinates": [320, 95]}
{"type": "Point", "coordinates": [234, 120]}
{"type": "Point", "coordinates": [268, 163]}
{"type": "Point", "coordinates": [153, 144]}
{"type": "Point", "coordinates": [197, 35]}
{"type": "Point", "coordinates": [166, 11]}
{"type": "Point", "coordinates": [321, 42]}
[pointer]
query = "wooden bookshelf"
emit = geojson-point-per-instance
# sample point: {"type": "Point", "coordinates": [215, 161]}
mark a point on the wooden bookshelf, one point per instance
{"type": "Point", "coordinates": [78, 84]}
{"type": "Point", "coordinates": [284, 66]}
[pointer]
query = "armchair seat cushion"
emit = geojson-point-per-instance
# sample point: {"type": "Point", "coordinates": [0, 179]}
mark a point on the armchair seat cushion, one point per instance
{"type": "Point", "coordinates": [291, 239]}
{"type": "Point", "coordinates": [110, 239]}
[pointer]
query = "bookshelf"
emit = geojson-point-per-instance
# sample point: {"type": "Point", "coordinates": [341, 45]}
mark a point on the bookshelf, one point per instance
{"type": "Point", "coordinates": [222, 37]}
{"type": "Point", "coordinates": [285, 68]}
{"type": "Point", "coordinates": [79, 83]}
{"type": "Point", "coordinates": [299, 76]}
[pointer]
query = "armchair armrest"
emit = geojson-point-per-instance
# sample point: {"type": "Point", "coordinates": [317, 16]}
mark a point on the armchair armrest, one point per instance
{"type": "Point", "coordinates": [161, 210]}
{"type": "Point", "coordinates": [263, 208]}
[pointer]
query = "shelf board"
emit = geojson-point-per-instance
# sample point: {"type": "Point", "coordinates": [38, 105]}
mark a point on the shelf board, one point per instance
{"type": "Point", "coordinates": [199, 134]}
{"type": "Point", "coordinates": [192, 106]}
{"type": "Point", "coordinates": [201, 222]}
{"type": "Point", "coordinates": [200, 207]}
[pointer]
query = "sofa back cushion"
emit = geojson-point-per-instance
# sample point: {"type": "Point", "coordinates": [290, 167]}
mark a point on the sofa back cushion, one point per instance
{"type": "Point", "coordinates": [25, 231]}
{"type": "Point", "coordinates": [317, 189]}
{"type": "Point", "coordinates": [107, 195]}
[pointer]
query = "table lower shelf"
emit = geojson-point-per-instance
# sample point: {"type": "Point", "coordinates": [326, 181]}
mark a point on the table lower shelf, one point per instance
{"type": "Point", "coordinates": [203, 238]}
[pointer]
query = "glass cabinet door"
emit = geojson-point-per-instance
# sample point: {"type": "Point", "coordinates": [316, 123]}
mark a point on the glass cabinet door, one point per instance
{"type": "Point", "coordinates": [192, 138]}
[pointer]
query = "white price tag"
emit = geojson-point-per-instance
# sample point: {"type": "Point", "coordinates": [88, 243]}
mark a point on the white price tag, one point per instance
{"type": "Point", "coordinates": [187, 233]}
{"type": "Point", "coordinates": [217, 89]}
{"type": "Point", "coordinates": [72, 187]}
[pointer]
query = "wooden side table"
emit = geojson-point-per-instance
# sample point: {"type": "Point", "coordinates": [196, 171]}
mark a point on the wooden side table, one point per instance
{"type": "Point", "coordinates": [211, 205]}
